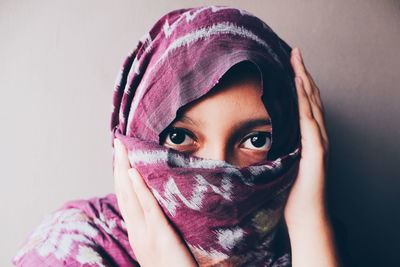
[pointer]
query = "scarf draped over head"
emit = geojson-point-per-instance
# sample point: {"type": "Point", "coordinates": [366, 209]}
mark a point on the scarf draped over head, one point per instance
{"type": "Point", "coordinates": [226, 214]}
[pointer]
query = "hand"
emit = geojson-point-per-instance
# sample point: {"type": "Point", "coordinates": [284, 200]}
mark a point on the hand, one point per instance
{"type": "Point", "coordinates": [310, 232]}
{"type": "Point", "coordinates": [307, 196]}
{"type": "Point", "coordinates": [152, 238]}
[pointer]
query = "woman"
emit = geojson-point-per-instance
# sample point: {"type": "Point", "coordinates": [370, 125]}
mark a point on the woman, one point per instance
{"type": "Point", "coordinates": [207, 116]}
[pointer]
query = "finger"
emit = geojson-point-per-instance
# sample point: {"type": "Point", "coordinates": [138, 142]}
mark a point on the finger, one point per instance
{"type": "Point", "coordinates": [319, 118]}
{"type": "Point", "coordinates": [318, 108]}
{"type": "Point", "coordinates": [300, 70]}
{"type": "Point", "coordinates": [121, 155]}
{"type": "Point", "coordinates": [312, 91]}
{"type": "Point", "coordinates": [315, 96]}
{"type": "Point", "coordinates": [127, 200]}
{"type": "Point", "coordinates": [151, 209]}
{"type": "Point", "coordinates": [316, 91]}
{"type": "Point", "coordinates": [310, 133]}
{"type": "Point", "coordinates": [305, 111]}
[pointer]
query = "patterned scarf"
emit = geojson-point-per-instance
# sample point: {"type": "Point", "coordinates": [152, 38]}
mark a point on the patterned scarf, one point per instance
{"type": "Point", "coordinates": [227, 215]}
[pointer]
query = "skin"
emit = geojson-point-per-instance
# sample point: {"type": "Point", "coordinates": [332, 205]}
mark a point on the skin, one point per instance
{"type": "Point", "coordinates": [222, 136]}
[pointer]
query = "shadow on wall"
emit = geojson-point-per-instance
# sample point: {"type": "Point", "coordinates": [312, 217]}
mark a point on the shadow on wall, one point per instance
{"type": "Point", "coordinates": [363, 184]}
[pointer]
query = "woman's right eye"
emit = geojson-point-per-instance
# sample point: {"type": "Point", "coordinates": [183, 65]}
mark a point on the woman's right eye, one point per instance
{"type": "Point", "coordinates": [178, 136]}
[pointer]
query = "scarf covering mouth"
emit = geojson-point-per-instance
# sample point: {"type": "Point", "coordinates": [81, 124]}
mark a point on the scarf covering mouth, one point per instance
{"type": "Point", "coordinates": [227, 215]}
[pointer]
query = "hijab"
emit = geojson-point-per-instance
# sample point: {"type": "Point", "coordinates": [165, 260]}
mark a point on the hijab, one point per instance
{"type": "Point", "coordinates": [226, 214]}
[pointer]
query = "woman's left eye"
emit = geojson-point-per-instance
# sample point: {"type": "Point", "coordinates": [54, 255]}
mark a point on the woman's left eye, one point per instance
{"type": "Point", "coordinates": [257, 141]}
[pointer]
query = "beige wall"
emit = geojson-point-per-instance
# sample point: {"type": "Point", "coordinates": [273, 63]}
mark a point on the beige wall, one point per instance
{"type": "Point", "coordinates": [59, 60]}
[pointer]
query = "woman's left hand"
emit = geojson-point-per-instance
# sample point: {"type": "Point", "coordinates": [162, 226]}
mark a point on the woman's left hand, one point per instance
{"type": "Point", "coordinates": [307, 196]}
{"type": "Point", "coordinates": [152, 238]}
{"type": "Point", "coordinates": [310, 231]}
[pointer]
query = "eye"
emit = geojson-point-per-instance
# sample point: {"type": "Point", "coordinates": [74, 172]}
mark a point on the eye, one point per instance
{"type": "Point", "coordinates": [257, 141]}
{"type": "Point", "coordinates": [179, 136]}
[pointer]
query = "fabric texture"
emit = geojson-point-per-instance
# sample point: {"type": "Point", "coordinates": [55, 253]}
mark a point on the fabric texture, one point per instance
{"type": "Point", "coordinates": [227, 215]}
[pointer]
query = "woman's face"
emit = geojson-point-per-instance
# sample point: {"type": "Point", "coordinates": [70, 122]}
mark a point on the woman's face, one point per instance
{"type": "Point", "coordinates": [230, 123]}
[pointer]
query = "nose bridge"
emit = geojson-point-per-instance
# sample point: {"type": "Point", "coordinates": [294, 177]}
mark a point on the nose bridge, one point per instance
{"type": "Point", "coordinates": [215, 150]}
{"type": "Point", "coordinates": [219, 153]}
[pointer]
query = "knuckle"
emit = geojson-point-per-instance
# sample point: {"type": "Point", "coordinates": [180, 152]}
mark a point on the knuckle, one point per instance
{"type": "Point", "coordinates": [313, 99]}
{"type": "Point", "coordinates": [301, 72]}
{"type": "Point", "coordinates": [148, 208]}
{"type": "Point", "coordinates": [321, 146]}
{"type": "Point", "coordinates": [307, 116]}
{"type": "Point", "coordinates": [317, 91]}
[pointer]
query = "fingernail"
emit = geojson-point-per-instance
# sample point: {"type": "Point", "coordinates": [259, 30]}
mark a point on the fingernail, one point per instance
{"type": "Point", "coordinates": [298, 80]}
{"type": "Point", "coordinates": [299, 54]}
{"type": "Point", "coordinates": [117, 144]}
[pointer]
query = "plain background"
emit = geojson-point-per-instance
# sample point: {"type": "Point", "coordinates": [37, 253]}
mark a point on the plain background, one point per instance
{"type": "Point", "coordinates": [59, 60]}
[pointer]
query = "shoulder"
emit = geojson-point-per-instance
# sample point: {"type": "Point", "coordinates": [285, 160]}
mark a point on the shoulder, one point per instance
{"type": "Point", "coordinates": [87, 232]}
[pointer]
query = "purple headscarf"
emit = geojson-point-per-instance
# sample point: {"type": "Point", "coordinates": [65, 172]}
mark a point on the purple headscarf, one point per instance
{"type": "Point", "coordinates": [227, 215]}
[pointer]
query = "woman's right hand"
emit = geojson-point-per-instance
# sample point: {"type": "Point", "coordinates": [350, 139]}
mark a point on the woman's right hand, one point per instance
{"type": "Point", "coordinates": [151, 236]}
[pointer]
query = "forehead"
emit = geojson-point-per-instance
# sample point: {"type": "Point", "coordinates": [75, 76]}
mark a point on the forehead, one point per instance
{"type": "Point", "coordinates": [239, 85]}
{"type": "Point", "coordinates": [226, 106]}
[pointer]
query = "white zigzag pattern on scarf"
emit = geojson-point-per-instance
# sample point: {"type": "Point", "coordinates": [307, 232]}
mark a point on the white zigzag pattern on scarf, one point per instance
{"type": "Point", "coordinates": [118, 79]}
{"type": "Point", "coordinates": [168, 29]}
{"type": "Point", "coordinates": [257, 170]}
{"type": "Point", "coordinates": [220, 28]}
{"type": "Point", "coordinates": [106, 225]}
{"type": "Point", "coordinates": [135, 68]}
{"type": "Point", "coordinates": [214, 256]}
{"type": "Point", "coordinates": [147, 41]}
{"type": "Point", "coordinates": [158, 156]}
{"type": "Point", "coordinates": [147, 157]}
{"type": "Point", "coordinates": [87, 255]}
{"type": "Point", "coordinates": [180, 161]}
{"type": "Point", "coordinates": [203, 33]}
{"type": "Point", "coordinates": [55, 242]}
{"type": "Point", "coordinates": [120, 74]}
{"type": "Point", "coordinates": [195, 202]}
{"type": "Point", "coordinates": [276, 164]}
{"type": "Point", "coordinates": [228, 238]}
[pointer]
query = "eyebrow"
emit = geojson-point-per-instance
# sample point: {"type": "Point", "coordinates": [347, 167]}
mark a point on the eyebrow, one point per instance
{"type": "Point", "coordinates": [242, 125]}
{"type": "Point", "coordinates": [186, 119]}
{"type": "Point", "coordinates": [252, 123]}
